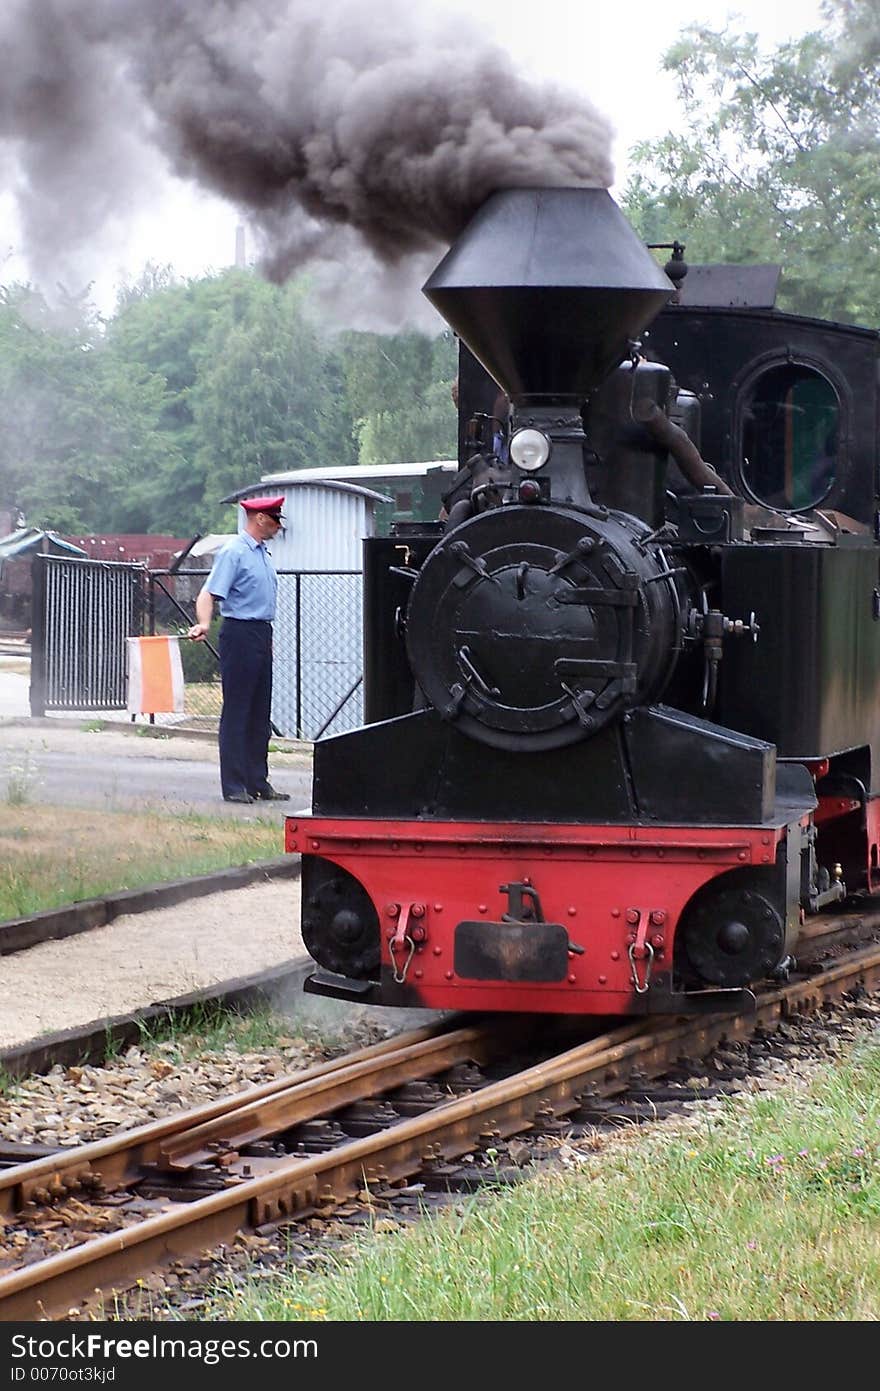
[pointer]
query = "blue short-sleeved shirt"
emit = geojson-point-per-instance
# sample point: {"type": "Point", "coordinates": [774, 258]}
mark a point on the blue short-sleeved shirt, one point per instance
{"type": "Point", "coordinates": [244, 580]}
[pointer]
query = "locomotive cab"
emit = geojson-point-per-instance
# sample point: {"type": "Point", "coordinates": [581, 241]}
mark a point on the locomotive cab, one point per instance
{"type": "Point", "coordinates": [587, 783]}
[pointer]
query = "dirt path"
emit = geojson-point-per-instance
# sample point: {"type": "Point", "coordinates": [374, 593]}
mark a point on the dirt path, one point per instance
{"type": "Point", "coordinates": [145, 958]}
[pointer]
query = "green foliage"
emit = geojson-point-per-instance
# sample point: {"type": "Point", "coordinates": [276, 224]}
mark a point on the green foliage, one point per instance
{"type": "Point", "coordinates": [399, 394]}
{"type": "Point", "coordinates": [193, 389]}
{"type": "Point", "coordinates": [57, 863]}
{"type": "Point", "coordinates": [79, 427]}
{"type": "Point", "coordinates": [780, 164]}
{"type": "Point", "coordinates": [264, 400]}
{"type": "Point", "coordinates": [157, 329]}
{"type": "Point", "coordinates": [764, 1208]}
{"type": "Point", "coordinates": [198, 661]}
{"type": "Point", "coordinates": [215, 1027]}
{"type": "Point", "coordinates": [21, 778]}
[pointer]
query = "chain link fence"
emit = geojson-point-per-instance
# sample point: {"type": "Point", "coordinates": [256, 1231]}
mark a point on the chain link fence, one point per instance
{"type": "Point", "coordinates": [318, 650]}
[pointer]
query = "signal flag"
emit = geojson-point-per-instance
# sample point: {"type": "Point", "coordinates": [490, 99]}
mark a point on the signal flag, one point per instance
{"type": "Point", "coordinates": [155, 676]}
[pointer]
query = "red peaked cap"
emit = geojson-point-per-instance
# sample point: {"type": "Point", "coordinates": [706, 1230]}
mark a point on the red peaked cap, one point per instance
{"type": "Point", "coordinates": [270, 505]}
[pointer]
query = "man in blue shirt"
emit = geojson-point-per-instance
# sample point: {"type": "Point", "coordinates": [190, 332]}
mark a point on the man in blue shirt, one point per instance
{"type": "Point", "coordinates": [244, 581]}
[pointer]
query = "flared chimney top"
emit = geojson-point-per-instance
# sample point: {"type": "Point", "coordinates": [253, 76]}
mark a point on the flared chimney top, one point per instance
{"type": "Point", "coordinates": [547, 286]}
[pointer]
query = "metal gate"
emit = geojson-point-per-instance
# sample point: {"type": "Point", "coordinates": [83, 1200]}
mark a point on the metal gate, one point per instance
{"type": "Point", "coordinates": [82, 613]}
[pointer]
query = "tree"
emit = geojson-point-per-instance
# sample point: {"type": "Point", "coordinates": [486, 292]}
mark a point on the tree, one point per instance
{"type": "Point", "coordinates": [267, 396]}
{"type": "Point", "coordinates": [160, 328]}
{"type": "Point", "coordinates": [77, 430]}
{"type": "Point", "coordinates": [194, 389]}
{"type": "Point", "coordinates": [781, 160]}
{"type": "Point", "coordinates": [398, 392]}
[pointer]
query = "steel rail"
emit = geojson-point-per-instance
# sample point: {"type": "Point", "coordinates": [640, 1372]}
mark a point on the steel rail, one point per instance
{"type": "Point", "coordinates": [112, 1158]}
{"type": "Point", "coordinates": [50, 1287]}
{"type": "Point", "coordinates": [307, 1099]}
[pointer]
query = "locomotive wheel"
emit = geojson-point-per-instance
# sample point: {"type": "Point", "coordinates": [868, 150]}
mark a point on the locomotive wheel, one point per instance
{"type": "Point", "coordinates": [732, 933]}
{"type": "Point", "coordinates": [340, 926]}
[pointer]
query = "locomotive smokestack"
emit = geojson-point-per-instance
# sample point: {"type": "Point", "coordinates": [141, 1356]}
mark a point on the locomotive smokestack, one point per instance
{"type": "Point", "coordinates": [547, 286]}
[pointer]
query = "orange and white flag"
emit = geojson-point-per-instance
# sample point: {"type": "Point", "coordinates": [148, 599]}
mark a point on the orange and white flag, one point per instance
{"type": "Point", "coordinates": [155, 676]}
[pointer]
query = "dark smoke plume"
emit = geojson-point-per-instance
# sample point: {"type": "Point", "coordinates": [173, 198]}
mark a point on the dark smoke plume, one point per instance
{"type": "Point", "coordinates": [309, 115]}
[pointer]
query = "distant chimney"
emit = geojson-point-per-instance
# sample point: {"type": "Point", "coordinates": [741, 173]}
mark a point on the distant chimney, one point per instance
{"type": "Point", "coordinates": [239, 247]}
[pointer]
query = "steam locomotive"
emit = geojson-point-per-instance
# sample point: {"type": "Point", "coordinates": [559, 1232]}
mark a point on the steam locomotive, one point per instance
{"type": "Point", "coordinates": [622, 703]}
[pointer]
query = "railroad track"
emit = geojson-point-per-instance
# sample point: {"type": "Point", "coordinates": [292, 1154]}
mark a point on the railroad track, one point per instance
{"type": "Point", "coordinates": [300, 1145]}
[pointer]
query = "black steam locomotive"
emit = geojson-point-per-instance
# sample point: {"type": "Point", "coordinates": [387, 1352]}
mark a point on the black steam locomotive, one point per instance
{"type": "Point", "coordinates": [623, 718]}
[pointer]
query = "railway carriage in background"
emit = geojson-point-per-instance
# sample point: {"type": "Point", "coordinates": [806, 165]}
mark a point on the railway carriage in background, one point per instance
{"type": "Point", "coordinates": [622, 707]}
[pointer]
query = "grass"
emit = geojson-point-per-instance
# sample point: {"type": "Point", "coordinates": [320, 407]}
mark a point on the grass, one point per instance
{"type": "Point", "coordinates": [764, 1209]}
{"type": "Point", "coordinates": [21, 780]}
{"type": "Point", "coordinates": [48, 859]}
{"type": "Point", "coordinates": [215, 1028]}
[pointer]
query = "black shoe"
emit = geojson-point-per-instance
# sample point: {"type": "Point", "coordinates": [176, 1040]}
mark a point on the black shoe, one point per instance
{"type": "Point", "coordinates": [269, 794]}
{"type": "Point", "coordinates": [237, 797]}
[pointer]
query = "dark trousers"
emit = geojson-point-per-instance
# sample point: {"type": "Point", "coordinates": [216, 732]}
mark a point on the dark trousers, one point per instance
{"type": "Point", "coordinates": [246, 673]}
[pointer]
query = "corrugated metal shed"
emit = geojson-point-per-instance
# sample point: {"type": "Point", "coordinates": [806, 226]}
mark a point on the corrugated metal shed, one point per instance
{"type": "Point", "coordinates": [326, 521]}
{"type": "Point", "coordinates": [318, 642]}
{"type": "Point", "coordinates": [414, 492]}
{"type": "Point", "coordinates": [364, 474]}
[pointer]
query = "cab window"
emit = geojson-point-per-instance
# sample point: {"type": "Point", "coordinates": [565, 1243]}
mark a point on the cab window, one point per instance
{"type": "Point", "coordinates": [790, 431]}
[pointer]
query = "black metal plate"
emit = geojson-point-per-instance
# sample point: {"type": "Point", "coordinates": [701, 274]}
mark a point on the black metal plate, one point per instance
{"type": "Point", "coordinates": [511, 951]}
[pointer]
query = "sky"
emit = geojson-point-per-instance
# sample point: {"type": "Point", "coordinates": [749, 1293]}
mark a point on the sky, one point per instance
{"type": "Point", "coordinates": [614, 51]}
{"type": "Point", "coordinates": [610, 52]}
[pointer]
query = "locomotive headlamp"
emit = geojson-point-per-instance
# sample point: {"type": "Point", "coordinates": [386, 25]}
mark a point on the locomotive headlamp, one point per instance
{"type": "Point", "coordinates": [529, 449]}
